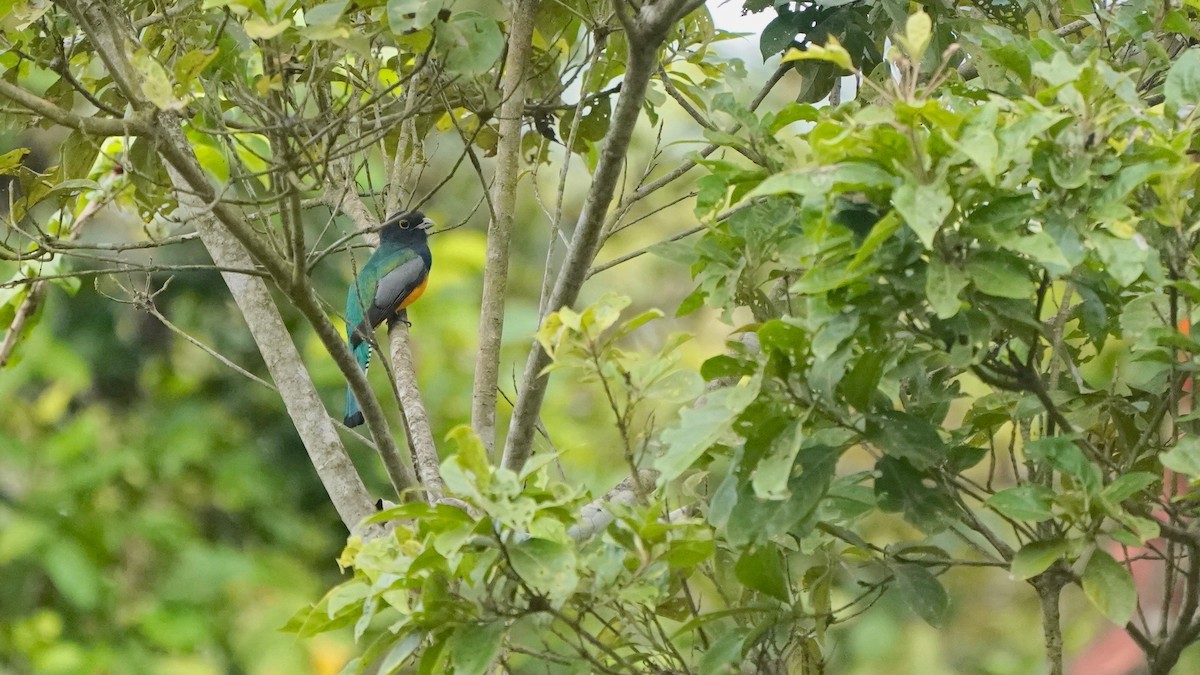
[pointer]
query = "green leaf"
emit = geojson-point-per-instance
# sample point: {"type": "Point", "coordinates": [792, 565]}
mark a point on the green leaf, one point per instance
{"type": "Point", "coordinates": [433, 660]}
{"type": "Point", "coordinates": [833, 52]}
{"type": "Point", "coordinates": [1036, 557]}
{"type": "Point", "coordinates": [762, 568]}
{"type": "Point", "coordinates": [1001, 274]}
{"type": "Point", "coordinates": [923, 207]}
{"type": "Point", "coordinates": [469, 43]}
{"type": "Point", "coordinates": [156, 83]}
{"type": "Point", "coordinates": [1184, 457]}
{"type": "Point", "coordinates": [903, 435]}
{"type": "Point", "coordinates": [778, 34]}
{"type": "Point", "coordinates": [637, 322]}
{"type": "Point", "coordinates": [411, 15]}
{"type": "Point", "coordinates": [963, 457]}
{"type": "Point", "coordinates": [1128, 484]}
{"type": "Point", "coordinates": [1025, 502]}
{"type": "Point", "coordinates": [192, 64]}
{"type": "Point", "coordinates": [1070, 169]}
{"type": "Point", "coordinates": [74, 574]}
{"type": "Point", "coordinates": [473, 648]}
{"type": "Point", "coordinates": [923, 593]}
{"type": "Point", "coordinates": [1124, 259]}
{"type": "Point", "coordinates": [212, 160]}
{"type": "Point", "coordinates": [326, 13]}
{"type": "Point", "coordinates": [773, 471]}
{"type": "Point", "coordinates": [863, 379]}
{"type": "Point", "coordinates": [725, 654]}
{"type": "Point", "coordinates": [943, 283]}
{"type": "Point", "coordinates": [702, 426]}
{"type": "Point", "coordinates": [793, 112]}
{"type": "Point", "coordinates": [548, 567]}
{"type": "Point", "coordinates": [1182, 87]}
{"type": "Point", "coordinates": [398, 655]}
{"type": "Point", "coordinates": [679, 386]}
{"type": "Point", "coordinates": [978, 140]}
{"type": "Point", "coordinates": [900, 487]}
{"type": "Point", "coordinates": [883, 230]}
{"type": "Point", "coordinates": [824, 180]}
{"type": "Point", "coordinates": [1109, 585]}
{"type": "Point", "coordinates": [918, 31]}
{"type": "Point", "coordinates": [1128, 179]}
{"type": "Point", "coordinates": [1140, 318]}
{"type": "Point", "coordinates": [467, 471]}
{"type": "Point", "coordinates": [756, 521]}
{"type": "Point", "coordinates": [602, 314]}
{"type": "Point", "coordinates": [10, 160]}
{"type": "Point", "coordinates": [1061, 453]}
{"type": "Point", "coordinates": [1058, 70]}
{"type": "Point", "coordinates": [258, 28]}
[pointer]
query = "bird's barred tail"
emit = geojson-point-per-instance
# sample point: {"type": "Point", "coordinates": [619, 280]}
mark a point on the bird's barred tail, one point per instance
{"type": "Point", "coordinates": [354, 416]}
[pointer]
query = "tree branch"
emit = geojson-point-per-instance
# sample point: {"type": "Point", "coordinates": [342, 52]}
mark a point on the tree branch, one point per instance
{"type": "Point", "coordinates": [237, 241]}
{"type": "Point", "coordinates": [176, 153]}
{"type": "Point", "coordinates": [504, 199]}
{"type": "Point", "coordinates": [1049, 587]}
{"type": "Point", "coordinates": [646, 33]}
{"type": "Point", "coordinates": [33, 298]}
{"type": "Point", "coordinates": [96, 126]}
{"type": "Point", "coordinates": [316, 429]}
{"type": "Point", "coordinates": [412, 408]}
{"type": "Point", "coordinates": [418, 432]}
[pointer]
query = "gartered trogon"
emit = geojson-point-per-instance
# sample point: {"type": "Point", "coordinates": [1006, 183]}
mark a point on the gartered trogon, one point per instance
{"type": "Point", "coordinates": [392, 278]}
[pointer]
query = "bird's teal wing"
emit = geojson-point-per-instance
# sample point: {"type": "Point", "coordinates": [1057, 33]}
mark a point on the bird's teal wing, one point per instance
{"type": "Point", "coordinates": [359, 299]}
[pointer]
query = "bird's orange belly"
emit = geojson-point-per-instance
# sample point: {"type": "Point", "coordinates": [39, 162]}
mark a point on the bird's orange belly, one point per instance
{"type": "Point", "coordinates": [412, 297]}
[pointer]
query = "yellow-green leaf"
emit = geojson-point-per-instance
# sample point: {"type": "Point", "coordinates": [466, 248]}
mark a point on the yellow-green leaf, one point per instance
{"type": "Point", "coordinates": [1109, 585]}
{"type": "Point", "coordinates": [156, 83]}
{"type": "Point", "coordinates": [1036, 557]}
{"type": "Point", "coordinates": [190, 65]}
{"type": "Point", "coordinates": [918, 31]}
{"type": "Point", "coordinates": [832, 52]}
{"type": "Point", "coordinates": [260, 29]}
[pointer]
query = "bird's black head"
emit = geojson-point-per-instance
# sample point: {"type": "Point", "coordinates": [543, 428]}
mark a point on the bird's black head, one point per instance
{"type": "Point", "coordinates": [406, 227]}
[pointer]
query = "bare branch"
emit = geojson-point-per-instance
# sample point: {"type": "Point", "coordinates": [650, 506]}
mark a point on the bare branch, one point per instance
{"type": "Point", "coordinates": [98, 126]}
{"type": "Point", "coordinates": [412, 407]}
{"type": "Point", "coordinates": [233, 242]}
{"type": "Point", "coordinates": [504, 199]}
{"type": "Point", "coordinates": [33, 298]}
{"type": "Point", "coordinates": [316, 429]}
{"type": "Point", "coordinates": [180, 158]}
{"type": "Point", "coordinates": [647, 31]}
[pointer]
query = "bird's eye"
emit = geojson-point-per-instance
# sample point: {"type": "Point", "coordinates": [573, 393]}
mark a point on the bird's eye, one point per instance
{"type": "Point", "coordinates": [404, 224]}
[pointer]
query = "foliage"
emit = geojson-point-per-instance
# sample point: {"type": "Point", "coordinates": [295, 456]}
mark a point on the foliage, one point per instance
{"type": "Point", "coordinates": [133, 538]}
{"type": "Point", "coordinates": [451, 588]}
{"type": "Point", "coordinates": [1037, 258]}
{"type": "Point", "coordinates": [959, 310]}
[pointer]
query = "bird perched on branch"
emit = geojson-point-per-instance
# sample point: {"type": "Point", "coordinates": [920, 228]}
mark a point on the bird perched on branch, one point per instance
{"type": "Point", "coordinates": [392, 279]}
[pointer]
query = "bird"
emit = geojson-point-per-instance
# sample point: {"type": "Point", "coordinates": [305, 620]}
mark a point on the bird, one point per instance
{"type": "Point", "coordinates": [393, 278]}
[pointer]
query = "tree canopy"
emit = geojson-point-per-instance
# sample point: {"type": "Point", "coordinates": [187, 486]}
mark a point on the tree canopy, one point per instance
{"type": "Point", "coordinates": [725, 357]}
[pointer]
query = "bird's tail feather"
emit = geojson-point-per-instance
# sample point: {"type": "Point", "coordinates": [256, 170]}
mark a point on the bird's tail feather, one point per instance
{"type": "Point", "coordinates": [354, 416]}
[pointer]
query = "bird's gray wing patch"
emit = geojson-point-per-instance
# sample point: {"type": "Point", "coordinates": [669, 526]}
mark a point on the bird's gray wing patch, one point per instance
{"type": "Point", "coordinates": [393, 287]}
